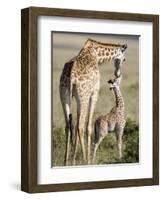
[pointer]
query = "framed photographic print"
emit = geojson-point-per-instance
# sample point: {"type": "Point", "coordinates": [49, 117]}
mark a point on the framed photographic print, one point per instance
{"type": "Point", "coordinates": [90, 99]}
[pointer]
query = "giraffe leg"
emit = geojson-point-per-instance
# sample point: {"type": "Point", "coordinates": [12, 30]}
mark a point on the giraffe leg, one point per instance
{"type": "Point", "coordinates": [120, 146]}
{"type": "Point", "coordinates": [67, 145]}
{"type": "Point", "coordinates": [81, 137]}
{"type": "Point", "coordinates": [76, 146]}
{"type": "Point", "coordinates": [81, 125]}
{"type": "Point", "coordinates": [119, 134]}
{"type": "Point", "coordinates": [79, 121]}
{"type": "Point", "coordinates": [92, 104]}
{"type": "Point", "coordinates": [96, 145]}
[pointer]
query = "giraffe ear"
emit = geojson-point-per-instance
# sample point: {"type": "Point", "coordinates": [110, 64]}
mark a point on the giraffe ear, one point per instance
{"type": "Point", "coordinates": [124, 47]}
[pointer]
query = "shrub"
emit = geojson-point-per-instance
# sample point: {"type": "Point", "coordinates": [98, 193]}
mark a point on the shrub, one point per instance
{"type": "Point", "coordinates": [107, 152]}
{"type": "Point", "coordinates": [131, 142]}
{"type": "Point", "coordinates": [59, 145]}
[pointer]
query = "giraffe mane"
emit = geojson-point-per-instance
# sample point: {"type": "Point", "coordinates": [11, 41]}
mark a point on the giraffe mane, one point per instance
{"type": "Point", "coordinates": [104, 44]}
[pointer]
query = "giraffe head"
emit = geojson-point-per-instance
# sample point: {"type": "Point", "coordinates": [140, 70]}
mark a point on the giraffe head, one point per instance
{"type": "Point", "coordinates": [106, 52]}
{"type": "Point", "coordinates": [115, 83]}
{"type": "Point", "coordinates": [119, 59]}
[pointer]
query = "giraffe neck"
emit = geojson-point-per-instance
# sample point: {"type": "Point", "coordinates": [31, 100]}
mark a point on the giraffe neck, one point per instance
{"type": "Point", "coordinates": [106, 53]}
{"type": "Point", "coordinates": [118, 98]}
{"type": "Point", "coordinates": [102, 51]}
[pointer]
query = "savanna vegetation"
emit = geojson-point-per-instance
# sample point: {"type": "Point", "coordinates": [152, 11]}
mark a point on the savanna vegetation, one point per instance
{"type": "Point", "coordinates": [107, 152]}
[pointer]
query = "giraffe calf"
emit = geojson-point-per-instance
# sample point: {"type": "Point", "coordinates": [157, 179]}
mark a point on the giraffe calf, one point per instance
{"type": "Point", "coordinates": [112, 121]}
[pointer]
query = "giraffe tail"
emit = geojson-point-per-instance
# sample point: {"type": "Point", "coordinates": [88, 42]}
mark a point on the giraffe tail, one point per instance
{"type": "Point", "coordinates": [71, 125]}
{"type": "Point", "coordinates": [96, 132]}
{"type": "Point", "coordinates": [71, 129]}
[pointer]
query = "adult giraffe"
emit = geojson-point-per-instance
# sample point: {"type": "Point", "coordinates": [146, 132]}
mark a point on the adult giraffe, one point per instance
{"type": "Point", "coordinates": [81, 78]}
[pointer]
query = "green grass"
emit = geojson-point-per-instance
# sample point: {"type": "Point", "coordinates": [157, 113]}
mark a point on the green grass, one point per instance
{"type": "Point", "coordinates": [107, 152]}
{"type": "Point", "coordinates": [64, 51]}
